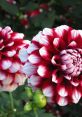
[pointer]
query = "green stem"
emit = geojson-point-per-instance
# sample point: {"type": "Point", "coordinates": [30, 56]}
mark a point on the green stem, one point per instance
{"type": "Point", "coordinates": [11, 101]}
{"type": "Point", "coordinates": [35, 113]}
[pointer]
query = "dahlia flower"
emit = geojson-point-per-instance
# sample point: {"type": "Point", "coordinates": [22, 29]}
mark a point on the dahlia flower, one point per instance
{"type": "Point", "coordinates": [11, 75]}
{"type": "Point", "coordinates": [11, 1]}
{"type": "Point", "coordinates": [55, 64]}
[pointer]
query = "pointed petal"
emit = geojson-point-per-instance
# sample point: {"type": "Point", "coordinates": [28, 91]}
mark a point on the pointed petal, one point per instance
{"type": "Point", "coordinates": [60, 30]}
{"type": "Point", "coordinates": [14, 67]}
{"type": "Point", "coordinates": [42, 39]}
{"type": "Point", "coordinates": [48, 91]}
{"type": "Point", "coordinates": [32, 47]}
{"type": "Point", "coordinates": [62, 101]}
{"type": "Point", "coordinates": [43, 71]}
{"type": "Point", "coordinates": [74, 34]}
{"type": "Point", "coordinates": [18, 36]}
{"type": "Point", "coordinates": [8, 88]}
{"type": "Point", "coordinates": [34, 80]}
{"type": "Point", "coordinates": [62, 91]}
{"type": "Point", "coordinates": [58, 43]}
{"type": "Point", "coordinates": [44, 53]}
{"type": "Point", "coordinates": [6, 64]}
{"type": "Point", "coordinates": [29, 69]}
{"type": "Point", "coordinates": [34, 58]}
{"type": "Point", "coordinates": [8, 80]}
{"type": "Point", "coordinates": [20, 79]}
{"type": "Point", "coordinates": [47, 31]}
{"type": "Point", "coordinates": [76, 95]}
{"type": "Point", "coordinates": [56, 78]}
{"type": "Point", "coordinates": [73, 44]}
{"type": "Point", "coordinates": [2, 75]}
{"type": "Point", "coordinates": [11, 53]}
{"type": "Point", "coordinates": [23, 54]}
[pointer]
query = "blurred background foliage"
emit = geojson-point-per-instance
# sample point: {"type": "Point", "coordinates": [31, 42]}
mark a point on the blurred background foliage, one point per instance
{"type": "Point", "coordinates": [28, 17]}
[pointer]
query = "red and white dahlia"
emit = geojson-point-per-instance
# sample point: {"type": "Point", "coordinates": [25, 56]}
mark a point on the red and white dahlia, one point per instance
{"type": "Point", "coordinates": [11, 75]}
{"type": "Point", "coordinates": [55, 64]}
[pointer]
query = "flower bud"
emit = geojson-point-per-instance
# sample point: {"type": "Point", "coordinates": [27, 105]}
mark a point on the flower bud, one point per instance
{"type": "Point", "coordinates": [29, 92]}
{"type": "Point", "coordinates": [39, 99]}
{"type": "Point", "coordinates": [28, 107]}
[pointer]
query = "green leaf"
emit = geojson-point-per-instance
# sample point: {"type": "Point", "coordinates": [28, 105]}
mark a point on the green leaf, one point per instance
{"type": "Point", "coordinates": [44, 19]}
{"type": "Point", "coordinates": [42, 113]}
{"type": "Point", "coordinates": [31, 6]}
{"type": "Point", "coordinates": [69, 2]}
{"type": "Point", "coordinates": [12, 9]}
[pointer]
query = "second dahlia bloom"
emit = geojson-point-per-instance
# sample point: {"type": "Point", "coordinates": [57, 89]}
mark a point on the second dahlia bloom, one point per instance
{"type": "Point", "coordinates": [11, 75]}
{"type": "Point", "coordinates": [55, 64]}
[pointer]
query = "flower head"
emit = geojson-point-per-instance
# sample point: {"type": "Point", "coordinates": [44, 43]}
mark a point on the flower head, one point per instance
{"type": "Point", "coordinates": [55, 64]}
{"type": "Point", "coordinates": [11, 75]}
{"type": "Point", "coordinates": [11, 1]}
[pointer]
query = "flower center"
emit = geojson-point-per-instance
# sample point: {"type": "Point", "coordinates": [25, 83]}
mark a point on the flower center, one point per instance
{"type": "Point", "coordinates": [71, 61]}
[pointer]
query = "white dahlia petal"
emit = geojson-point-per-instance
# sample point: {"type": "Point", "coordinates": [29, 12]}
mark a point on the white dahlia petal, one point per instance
{"type": "Point", "coordinates": [23, 54]}
{"type": "Point", "coordinates": [48, 91]}
{"type": "Point", "coordinates": [29, 69]}
{"type": "Point", "coordinates": [35, 38]}
{"type": "Point", "coordinates": [32, 47]}
{"type": "Point", "coordinates": [44, 53]}
{"type": "Point", "coordinates": [72, 44]}
{"type": "Point", "coordinates": [8, 80]}
{"type": "Point", "coordinates": [6, 30]}
{"type": "Point", "coordinates": [26, 42]}
{"type": "Point", "coordinates": [18, 36]}
{"type": "Point", "coordinates": [56, 42]}
{"type": "Point", "coordinates": [54, 78]}
{"type": "Point", "coordinates": [60, 30]}
{"type": "Point", "coordinates": [8, 88]}
{"type": "Point", "coordinates": [34, 80]}
{"type": "Point", "coordinates": [74, 34]}
{"type": "Point", "coordinates": [20, 79]}
{"type": "Point", "coordinates": [34, 59]}
{"type": "Point", "coordinates": [14, 67]}
{"type": "Point", "coordinates": [68, 77]}
{"type": "Point", "coordinates": [42, 39]}
{"type": "Point", "coordinates": [80, 32]}
{"type": "Point", "coordinates": [47, 31]}
{"type": "Point", "coordinates": [62, 91]}
{"type": "Point", "coordinates": [2, 75]}
{"type": "Point", "coordinates": [10, 44]}
{"type": "Point", "coordinates": [43, 71]}
{"type": "Point", "coordinates": [0, 28]}
{"type": "Point", "coordinates": [11, 53]}
{"type": "Point", "coordinates": [6, 64]}
{"type": "Point", "coordinates": [76, 95]}
{"type": "Point", "coordinates": [75, 83]}
{"type": "Point", "coordinates": [62, 101]}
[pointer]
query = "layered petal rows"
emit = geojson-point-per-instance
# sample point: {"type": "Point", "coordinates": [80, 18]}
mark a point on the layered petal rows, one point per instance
{"type": "Point", "coordinates": [11, 75]}
{"type": "Point", "coordinates": [54, 64]}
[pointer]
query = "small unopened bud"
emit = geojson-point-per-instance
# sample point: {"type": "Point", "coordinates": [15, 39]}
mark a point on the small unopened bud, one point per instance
{"type": "Point", "coordinates": [28, 107]}
{"type": "Point", "coordinates": [39, 99]}
{"type": "Point", "coordinates": [29, 92]}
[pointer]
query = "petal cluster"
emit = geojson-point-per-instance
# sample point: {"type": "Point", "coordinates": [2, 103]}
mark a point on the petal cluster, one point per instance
{"type": "Point", "coordinates": [54, 64]}
{"type": "Point", "coordinates": [11, 75]}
